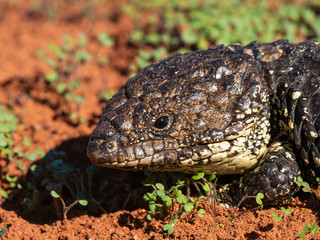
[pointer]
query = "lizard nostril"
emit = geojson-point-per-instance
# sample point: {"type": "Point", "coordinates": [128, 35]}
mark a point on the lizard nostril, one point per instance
{"type": "Point", "coordinates": [112, 146]}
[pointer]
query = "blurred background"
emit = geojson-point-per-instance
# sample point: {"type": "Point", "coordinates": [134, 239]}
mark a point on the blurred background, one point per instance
{"type": "Point", "coordinates": [127, 35]}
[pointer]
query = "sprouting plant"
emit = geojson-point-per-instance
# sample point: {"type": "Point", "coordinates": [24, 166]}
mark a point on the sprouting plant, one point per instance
{"type": "Point", "coordinates": [53, 10]}
{"type": "Point", "coordinates": [105, 39]}
{"type": "Point", "coordinates": [106, 95]}
{"type": "Point", "coordinates": [160, 200]}
{"type": "Point", "coordinates": [8, 124]}
{"type": "Point", "coordinates": [259, 198]}
{"type": "Point", "coordinates": [144, 58]}
{"type": "Point", "coordinates": [4, 194]}
{"type": "Point", "coordinates": [285, 211]}
{"type": "Point", "coordinates": [2, 232]}
{"type": "Point", "coordinates": [64, 61]}
{"type": "Point", "coordinates": [199, 24]}
{"type": "Point", "coordinates": [10, 149]}
{"type": "Point", "coordinates": [277, 218]}
{"type": "Point", "coordinates": [206, 181]}
{"type": "Point", "coordinates": [313, 229]}
{"type": "Point", "coordinates": [220, 225]}
{"type": "Point", "coordinates": [306, 187]}
{"type": "Point", "coordinates": [31, 202]}
{"type": "Point", "coordinates": [65, 208]}
{"type": "Point", "coordinates": [66, 176]}
{"type": "Point", "coordinates": [12, 180]}
{"type": "Point", "coordinates": [194, 24]}
{"type": "Point", "coordinates": [61, 179]}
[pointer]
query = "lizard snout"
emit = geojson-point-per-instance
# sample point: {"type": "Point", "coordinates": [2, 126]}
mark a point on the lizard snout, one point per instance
{"type": "Point", "coordinates": [102, 152]}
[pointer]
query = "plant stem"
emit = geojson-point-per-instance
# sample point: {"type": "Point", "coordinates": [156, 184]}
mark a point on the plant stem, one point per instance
{"type": "Point", "coordinates": [65, 208]}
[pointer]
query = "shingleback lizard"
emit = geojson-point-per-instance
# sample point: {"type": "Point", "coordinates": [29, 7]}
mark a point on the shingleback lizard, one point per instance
{"type": "Point", "coordinates": [252, 111]}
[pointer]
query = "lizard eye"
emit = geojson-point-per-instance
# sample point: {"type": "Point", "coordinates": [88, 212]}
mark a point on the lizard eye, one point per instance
{"type": "Point", "coordinates": [161, 122]}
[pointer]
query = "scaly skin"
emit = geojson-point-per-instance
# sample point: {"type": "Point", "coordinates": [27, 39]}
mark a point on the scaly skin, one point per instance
{"type": "Point", "coordinates": [225, 110]}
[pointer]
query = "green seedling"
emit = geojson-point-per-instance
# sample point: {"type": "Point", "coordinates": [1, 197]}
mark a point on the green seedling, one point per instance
{"type": "Point", "coordinates": [65, 208]}
{"type": "Point", "coordinates": [74, 116]}
{"type": "Point", "coordinates": [8, 124]}
{"type": "Point", "coordinates": [12, 181]}
{"type": "Point", "coordinates": [10, 149]}
{"type": "Point", "coordinates": [161, 201]}
{"type": "Point", "coordinates": [103, 60]}
{"type": "Point", "coordinates": [277, 218]}
{"type": "Point", "coordinates": [30, 203]}
{"type": "Point", "coordinates": [306, 187]}
{"type": "Point", "coordinates": [285, 211]}
{"type": "Point", "coordinates": [208, 183]}
{"type": "Point", "coordinates": [2, 232]}
{"type": "Point", "coordinates": [105, 40]}
{"type": "Point", "coordinates": [144, 58]}
{"type": "Point", "coordinates": [61, 179]}
{"type": "Point", "coordinates": [259, 198]}
{"type": "Point", "coordinates": [199, 24]}
{"type": "Point", "coordinates": [55, 190]}
{"type": "Point", "coordinates": [306, 229]}
{"type": "Point", "coordinates": [64, 61]}
{"type": "Point", "coordinates": [4, 194]}
{"type": "Point", "coordinates": [106, 95]}
{"type": "Point", "coordinates": [220, 225]}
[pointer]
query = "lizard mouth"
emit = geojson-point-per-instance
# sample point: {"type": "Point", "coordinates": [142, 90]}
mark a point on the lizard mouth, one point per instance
{"type": "Point", "coordinates": [225, 157]}
{"type": "Point", "coordinates": [148, 155]}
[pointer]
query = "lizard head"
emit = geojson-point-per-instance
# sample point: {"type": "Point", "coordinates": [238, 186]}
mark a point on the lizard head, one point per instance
{"type": "Point", "coordinates": [189, 112]}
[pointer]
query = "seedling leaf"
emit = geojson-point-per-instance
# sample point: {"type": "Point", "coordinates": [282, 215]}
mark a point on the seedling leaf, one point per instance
{"type": "Point", "coordinates": [259, 198]}
{"type": "Point", "coordinates": [105, 39]}
{"type": "Point", "coordinates": [169, 228]}
{"type": "Point", "coordinates": [275, 216]}
{"type": "Point", "coordinates": [201, 212]}
{"type": "Point", "coordinates": [3, 230]}
{"type": "Point", "coordinates": [314, 228]}
{"type": "Point", "coordinates": [54, 194]}
{"type": "Point", "coordinates": [188, 207]}
{"type": "Point", "coordinates": [160, 186]}
{"type": "Point", "coordinates": [52, 76]}
{"type": "Point", "coordinates": [198, 176]}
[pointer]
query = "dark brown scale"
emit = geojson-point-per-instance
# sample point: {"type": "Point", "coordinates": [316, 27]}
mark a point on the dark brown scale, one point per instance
{"type": "Point", "coordinates": [297, 69]}
{"type": "Point", "coordinates": [252, 111]}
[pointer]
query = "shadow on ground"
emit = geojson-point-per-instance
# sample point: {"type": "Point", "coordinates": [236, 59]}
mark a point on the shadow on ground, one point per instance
{"type": "Point", "coordinates": [108, 190]}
